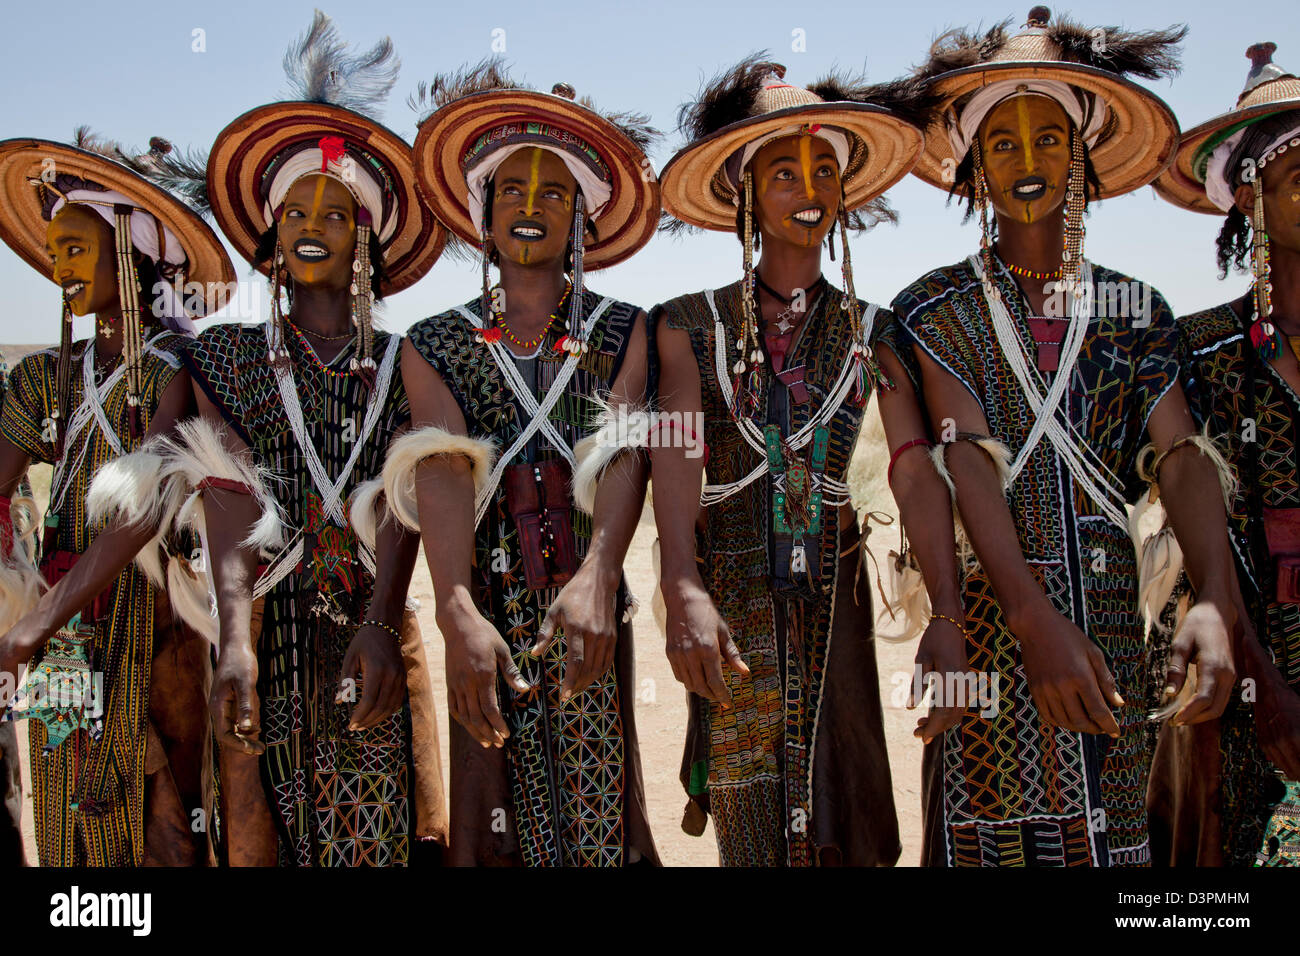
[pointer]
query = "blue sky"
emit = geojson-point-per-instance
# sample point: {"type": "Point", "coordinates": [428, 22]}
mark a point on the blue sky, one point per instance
{"type": "Point", "coordinates": [129, 70]}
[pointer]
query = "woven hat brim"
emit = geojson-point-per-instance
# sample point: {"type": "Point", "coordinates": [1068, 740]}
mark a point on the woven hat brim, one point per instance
{"type": "Point", "coordinates": [628, 220]}
{"type": "Point", "coordinates": [1139, 147]}
{"type": "Point", "coordinates": [1178, 184]}
{"type": "Point", "coordinates": [244, 149]}
{"type": "Point", "coordinates": [23, 227]}
{"type": "Point", "coordinates": [893, 145]}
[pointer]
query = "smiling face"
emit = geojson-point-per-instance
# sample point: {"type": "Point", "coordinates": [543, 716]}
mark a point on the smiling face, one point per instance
{"type": "Point", "coordinates": [318, 232]}
{"type": "Point", "coordinates": [80, 245]}
{"type": "Point", "coordinates": [796, 190]}
{"type": "Point", "coordinates": [1025, 146]}
{"type": "Point", "coordinates": [532, 207]}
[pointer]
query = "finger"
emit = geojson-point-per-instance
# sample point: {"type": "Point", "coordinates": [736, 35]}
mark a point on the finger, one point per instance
{"type": "Point", "coordinates": [693, 671]}
{"type": "Point", "coordinates": [506, 665]}
{"type": "Point", "coordinates": [1099, 715]}
{"type": "Point", "coordinates": [941, 719]}
{"type": "Point", "coordinates": [605, 660]}
{"type": "Point", "coordinates": [487, 700]}
{"type": "Point", "coordinates": [1176, 671]}
{"type": "Point", "coordinates": [922, 666]}
{"type": "Point", "coordinates": [474, 721]}
{"type": "Point", "coordinates": [730, 653]}
{"type": "Point", "coordinates": [679, 673]}
{"type": "Point", "coordinates": [1105, 679]}
{"type": "Point", "coordinates": [1201, 707]}
{"type": "Point", "coordinates": [715, 682]}
{"type": "Point", "coordinates": [364, 714]}
{"type": "Point", "coordinates": [1050, 707]}
{"type": "Point", "coordinates": [1076, 714]}
{"type": "Point", "coordinates": [575, 664]}
{"type": "Point", "coordinates": [546, 633]}
{"type": "Point", "coordinates": [222, 705]}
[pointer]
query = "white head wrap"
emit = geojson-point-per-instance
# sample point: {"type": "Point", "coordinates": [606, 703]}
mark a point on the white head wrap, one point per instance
{"type": "Point", "coordinates": [309, 162]}
{"type": "Point", "coordinates": [1088, 119]}
{"type": "Point", "coordinates": [1218, 178]}
{"type": "Point", "coordinates": [839, 143]}
{"type": "Point", "coordinates": [595, 191]}
{"type": "Point", "coordinates": [144, 236]}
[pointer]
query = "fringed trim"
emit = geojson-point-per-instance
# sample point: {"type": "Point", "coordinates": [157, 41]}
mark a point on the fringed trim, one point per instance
{"type": "Point", "coordinates": [405, 455]}
{"type": "Point", "coordinates": [911, 599]}
{"type": "Point", "coordinates": [21, 583]}
{"type": "Point", "coordinates": [1000, 456]}
{"type": "Point", "coordinates": [1150, 461]}
{"type": "Point", "coordinates": [200, 453]}
{"type": "Point", "coordinates": [617, 429]}
{"type": "Point", "coordinates": [366, 511]}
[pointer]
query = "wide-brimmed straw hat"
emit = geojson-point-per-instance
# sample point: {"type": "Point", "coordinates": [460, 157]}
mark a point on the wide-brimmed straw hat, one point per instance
{"type": "Point", "coordinates": [480, 110]}
{"type": "Point", "coordinates": [750, 102]}
{"type": "Point", "coordinates": [249, 148]}
{"type": "Point", "coordinates": [1132, 142]}
{"type": "Point", "coordinates": [29, 170]}
{"type": "Point", "coordinates": [1269, 90]}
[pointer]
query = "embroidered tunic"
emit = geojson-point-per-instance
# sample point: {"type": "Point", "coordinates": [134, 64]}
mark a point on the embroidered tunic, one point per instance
{"type": "Point", "coordinates": [89, 792]}
{"type": "Point", "coordinates": [1220, 374]}
{"type": "Point", "coordinates": [1008, 789]}
{"type": "Point", "coordinates": [573, 780]}
{"type": "Point", "coordinates": [780, 788]}
{"type": "Point", "coordinates": [338, 797]}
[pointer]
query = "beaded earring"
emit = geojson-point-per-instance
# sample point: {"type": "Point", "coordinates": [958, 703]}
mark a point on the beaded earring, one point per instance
{"type": "Point", "coordinates": [868, 374]}
{"type": "Point", "coordinates": [128, 290]}
{"type": "Point", "coordinates": [63, 378]}
{"type": "Point", "coordinates": [362, 364]}
{"type": "Point", "coordinates": [574, 341]}
{"type": "Point", "coordinates": [1263, 334]}
{"type": "Point", "coordinates": [278, 351]}
{"type": "Point", "coordinates": [745, 386]}
{"type": "Point", "coordinates": [981, 189]}
{"type": "Point", "coordinates": [1075, 196]}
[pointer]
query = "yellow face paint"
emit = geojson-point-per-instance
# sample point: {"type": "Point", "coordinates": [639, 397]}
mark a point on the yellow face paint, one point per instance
{"type": "Point", "coordinates": [805, 163]}
{"type": "Point", "coordinates": [534, 177]}
{"type": "Point", "coordinates": [1026, 135]}
{"type": "Point", "coordinates": [309, 273]}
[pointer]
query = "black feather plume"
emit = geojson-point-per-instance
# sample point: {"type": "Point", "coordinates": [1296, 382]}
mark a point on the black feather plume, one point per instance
{"type": "Point", "coordinates": [1150, 54]}
{"type": "Point", "coordinates": [728, 98]}
{"type": "Point", "coordinates": [183, 173]}
{"type": "Point", "coordinates": [958, 48]}
{"type": "Point", "coordinates": [321, 69]}
{"type": "Point", "coordinates": [484, 76]}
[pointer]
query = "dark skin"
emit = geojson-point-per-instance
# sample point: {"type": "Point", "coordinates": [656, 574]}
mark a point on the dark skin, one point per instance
{"type": "Point", "coordinates": [1068, 676]}
{"type": "Point", "coordinates": [797, 194]}
{"type": "Point", "coordinates": [318, 235]}
{"type": "Point", "coordinates": [532, 213]}
{"type": "Point", "coordinates": [80, 245]}
{"type": "Point", "coordinates": [1277, 706]}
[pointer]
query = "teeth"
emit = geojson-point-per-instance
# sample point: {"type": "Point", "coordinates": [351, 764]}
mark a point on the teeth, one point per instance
{"type": "Point", "coordinates": [74, 289]}
{"type": "Point", "coordinates": [312, 251]}
{"type": "Point", "coordinates": [530, 231]}
{"type": "Point", "coordinates": [809, 215]}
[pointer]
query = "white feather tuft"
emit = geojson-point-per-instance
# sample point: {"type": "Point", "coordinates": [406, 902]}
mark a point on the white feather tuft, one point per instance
{"type": "Point", "coordinates": [405, 455]}
{"type": "Point", "coordinates": [616, 430]}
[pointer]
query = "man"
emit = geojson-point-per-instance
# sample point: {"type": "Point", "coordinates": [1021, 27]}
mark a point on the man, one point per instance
{"type": "Point", "coordinates": [1216, 785]}
{"type": "Point", "coordinates": [545, 764]}
{"type": "Point", "coordinates": [1044, 389]}
{"type": "Point", "coordinates": [117, 733]}
{"type": "Point", "coordinates": [769, 623]}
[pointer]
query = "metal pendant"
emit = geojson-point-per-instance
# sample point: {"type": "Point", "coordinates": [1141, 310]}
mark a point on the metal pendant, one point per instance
{"type": "Point", "coordinates": [798, 560]}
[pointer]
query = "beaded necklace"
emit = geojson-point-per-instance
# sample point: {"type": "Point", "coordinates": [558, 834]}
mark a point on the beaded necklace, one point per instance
{"type": "Point", "coordinates": [311, 352]}
{"type": "Point", "coordinates": [1030, 273]}
{"type": "Point", "coordinates": [530, 344]}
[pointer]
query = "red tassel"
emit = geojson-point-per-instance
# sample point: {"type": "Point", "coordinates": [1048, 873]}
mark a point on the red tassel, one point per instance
{"type": "Point", "coordinates": [1264, 337]}
{"type": "Point", "coordinates": [331, 150]}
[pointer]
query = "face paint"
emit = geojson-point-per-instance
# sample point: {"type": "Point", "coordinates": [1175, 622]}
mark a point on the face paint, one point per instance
{"type": "Point", "coordinates": [309, 273]}
{"type": "Point", "coordinates": [534, 179]}
{"type": "Point", "coordinates": [805, 163]}
{"type": "Point", "coordinates": [1026, 135]}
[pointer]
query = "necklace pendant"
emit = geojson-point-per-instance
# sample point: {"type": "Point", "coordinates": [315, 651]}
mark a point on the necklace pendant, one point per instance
{"type": "Point", "coordinates": [106, 330]}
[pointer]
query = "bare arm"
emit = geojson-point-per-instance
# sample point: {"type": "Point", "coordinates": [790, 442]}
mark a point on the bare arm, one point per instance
{"type": "Point", "coordinates": [585, 607]}
{"type": "Point", "coordinates": [444, 490]}
{"type": "Point", "coordinates": [1067, 673]}
{"type": "Point", "coordinates": [925, 508]}
{"type": "Point", "coordinates": [698, 642]}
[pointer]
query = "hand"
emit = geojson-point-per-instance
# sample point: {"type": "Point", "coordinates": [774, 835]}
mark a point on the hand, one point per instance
{"type": "Point", "coordinates": [699, 644]}
{"type": "Point", "coordinates": [18, 646]}
{"type": "Point", "coordinates": [233, 703]}
{"type": "Point", "coordinates": [376, 657]}
{"type": "Point", "coordinates": [1277, 723]}
{"type": "Point", "coordinates": [1203, 638]}
{"type": "Point", "coordinates": [942, 652]}
{"type": "Point", "coordinates": [584, 608]}
{"type": "Point", "coordinates": [475, 654]}
{"type": "Point", "coordinates": [1068, 676]}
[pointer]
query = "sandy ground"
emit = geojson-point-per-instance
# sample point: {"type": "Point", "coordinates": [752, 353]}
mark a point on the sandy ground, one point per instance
{"type": "Point", "coordinates": [661, 701]}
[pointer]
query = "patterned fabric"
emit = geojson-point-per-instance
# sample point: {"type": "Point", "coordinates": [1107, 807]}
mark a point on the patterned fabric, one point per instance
{"type": "Point", "coordinates": [1218, 369]}
{"type": "Point", "coordinates": [567, 762]}
{"type": "Point", "coordinates": [1016, 790]}
{"type": "Point", "coordinates": [88, 795]}
{"type": "Point", "coordinates": [339, 797]}
{"type": "Point", "coordinates": [757, 772]}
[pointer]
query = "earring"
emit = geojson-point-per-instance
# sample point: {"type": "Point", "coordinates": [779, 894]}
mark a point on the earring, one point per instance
{"type": "Point", "coordinates": [1263, 334]}
{"type": "Point", "coordinates": [1072, 253]}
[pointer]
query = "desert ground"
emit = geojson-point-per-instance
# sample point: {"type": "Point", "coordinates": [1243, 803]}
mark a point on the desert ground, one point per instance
{"type": "Point", "coordinates": [661, 701]}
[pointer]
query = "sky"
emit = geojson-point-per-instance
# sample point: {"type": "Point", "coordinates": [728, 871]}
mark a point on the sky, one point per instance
{"type": "Point", "coordinates": [183, 70]}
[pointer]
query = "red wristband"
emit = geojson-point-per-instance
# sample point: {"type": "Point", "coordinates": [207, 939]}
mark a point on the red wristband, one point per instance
{"type": "Point", "coordinates": [226, 484]}
{"type": "Point", "coordinates": [889, 475]}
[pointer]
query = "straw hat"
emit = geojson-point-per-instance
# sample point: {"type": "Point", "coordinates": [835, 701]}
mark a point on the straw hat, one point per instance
{"type": "Point", "coordinates": [1269, 90]}
{"type": "Point", "coordinates": [1135, 139]}
{"type": "Point", "coordinates": [751, 101]}
{"type": "Point", "coordinates": [28, 168]}
{"type": "Point", "coordinates": [480, 110]}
